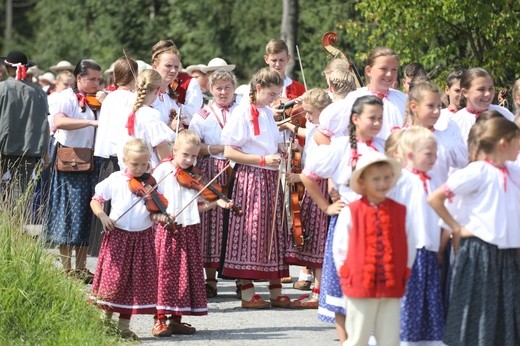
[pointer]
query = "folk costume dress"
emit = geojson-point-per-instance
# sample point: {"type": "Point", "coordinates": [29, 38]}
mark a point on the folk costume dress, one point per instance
{"type": "Point", "coordinates": [69, 214]}
{"type": "Point", "coordinates": [335, 161]}
{"type": "Point", "coordinates": [126, 272]}
{"type": "Point", "coordinates": [254, 248]}
{"type": "Point", "coordinates": [181, 289]}
{"type": "Point", "coordinates": [208, 124]}
{"type": "Point", "coordinates": [422, 315]}
{"type": "Point", "coordinates": [484, 309]}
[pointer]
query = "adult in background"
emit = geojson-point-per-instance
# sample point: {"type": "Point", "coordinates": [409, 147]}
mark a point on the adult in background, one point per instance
{"type": "Point", "coordinates": [24, 131]}
{"type": "Point", "coordinates": [70, 216]}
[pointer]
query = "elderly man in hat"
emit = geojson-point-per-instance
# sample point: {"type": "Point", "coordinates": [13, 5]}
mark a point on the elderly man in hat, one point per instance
{"type": "Point", "coordinates": [24, 130]}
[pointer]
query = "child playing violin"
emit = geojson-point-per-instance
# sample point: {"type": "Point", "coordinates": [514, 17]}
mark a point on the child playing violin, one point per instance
{"type": "Point", "coordinates": [126, 273]}
{"type": "Point", "coordinates": [181, 289]}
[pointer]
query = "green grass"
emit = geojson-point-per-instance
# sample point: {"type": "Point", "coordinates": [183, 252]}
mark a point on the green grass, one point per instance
{"type": "Point", "coordinates": [38, 304]}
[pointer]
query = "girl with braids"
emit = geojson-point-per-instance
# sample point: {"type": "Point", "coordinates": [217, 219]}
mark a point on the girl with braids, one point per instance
{"type": "Point", "coordinates": [208, 124]}
{"type": "Point", "coordinates": [332, 120]}
{"type": "Point", "coordinates": [179, 92]}
{"type": "Point", "coordinates": [144, 121]}
{"type": "Point", "coordinates": [484, 308]}
{"type": "Point", "coordinates": [381, 73]}
{"type": "Point", "coordinates": [336, 161]}
{"type": "Point", "coordinates": [69, 219]}
{"type": "Point", "coordinates": [314, 221]}
{"type": "Point", "coordinates": [256, 241]}
{"type": "Point", "coordinates": [477, 92]}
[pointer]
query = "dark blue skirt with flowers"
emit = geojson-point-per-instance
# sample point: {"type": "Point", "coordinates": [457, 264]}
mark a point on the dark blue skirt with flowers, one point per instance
{"type": "Point", "coordinates": [422, 313]}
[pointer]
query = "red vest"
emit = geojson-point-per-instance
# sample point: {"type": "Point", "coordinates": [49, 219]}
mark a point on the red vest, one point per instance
{"type": "Point", "coordinates": [294, 90]}
{"type": "Point", "coordinates": [353, 273]}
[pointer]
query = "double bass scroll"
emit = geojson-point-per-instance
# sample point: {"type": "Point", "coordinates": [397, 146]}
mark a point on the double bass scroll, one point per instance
{"type": "Point", "coordinates": [327, 41]}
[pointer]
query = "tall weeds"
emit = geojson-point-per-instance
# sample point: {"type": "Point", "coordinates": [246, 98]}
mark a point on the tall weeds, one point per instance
{"type": "Point", "coordinates": [38, 304]}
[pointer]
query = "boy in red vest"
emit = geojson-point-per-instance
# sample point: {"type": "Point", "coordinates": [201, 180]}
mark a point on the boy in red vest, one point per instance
{"type": "Point", "coordinates": [373, 252]}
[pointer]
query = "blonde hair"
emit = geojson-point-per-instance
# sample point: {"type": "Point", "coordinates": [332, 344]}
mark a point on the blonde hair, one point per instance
{"type": "Point", "coordinates": [147, 83]}
{"type": "Point", "coordinates": [339, 77]}
{"type": "Point", "coordinates": [222, 75]}
{"type": "Point", "coordinates": [392, 143]}
{"type": "Point", "coordinates": [484, 136]}
{"type": "Point", "coordinates": [413, 139]}
{"type": "Point", "coordinates": [316, 98]}
{"type": "Point", "coordinates": [63, 76]}
{"type": "Point", "coordinates": [416, 94]}
{"type": "Point", "coordinates": [136, 145]}
{"type": "Point", "coordinates": [186, 137]}
{"type": "Point", "coordinates": [265, 77]}
{"type": "Point", "coordinates": [161, 47]}
{"type": "Point", "coordinates": [275, 46]}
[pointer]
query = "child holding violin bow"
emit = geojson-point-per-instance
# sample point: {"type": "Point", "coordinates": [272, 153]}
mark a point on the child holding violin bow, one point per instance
{"type": "Point", "coordinates": [126, 273]}
{"type": "Point", "coordinates": [181, 289]}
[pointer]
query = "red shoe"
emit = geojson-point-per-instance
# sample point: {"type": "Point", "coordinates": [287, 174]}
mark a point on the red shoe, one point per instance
{"type": "Point", "coordinates": [255, 303]}
{"type": "Point", "coordinates": [160, 328]}
{"type": "Point", "coordinates": [306, 301]}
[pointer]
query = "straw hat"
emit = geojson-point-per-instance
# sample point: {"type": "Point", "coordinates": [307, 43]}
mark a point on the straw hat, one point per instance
{"type": "Point", "coordinates": [368, 159]}
{"type": "Point", "coordinates": [141, 65]}
{"type": "Point", "coordinates": [218, 64]}
{"type": "Point", "coordinates": [110, 69]}
{"type": "Point", "coordinates": [200, 67]}
{"type": "Point", "coordinates": [35, 71]}
{"type": "Point", "coordinates": [61, 66]}
{"type": "Point", "coordinates": [48, 76]}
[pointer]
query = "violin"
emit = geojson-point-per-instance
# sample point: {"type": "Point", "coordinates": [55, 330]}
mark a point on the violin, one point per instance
{"type": "Point", "coordinates": [327, 42]}
{"type": "Point", "coordinates": [92, 102]}
{"type": "Point", "coordinates": [192, 179]}
{"type": "Point", "coordinates": [145, 187]}
{"type": "Point", "coordinates": [296, 193]}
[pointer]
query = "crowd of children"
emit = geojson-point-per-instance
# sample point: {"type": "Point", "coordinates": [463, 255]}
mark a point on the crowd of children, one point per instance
{"type": "Point", "coordinates": [409, 216]}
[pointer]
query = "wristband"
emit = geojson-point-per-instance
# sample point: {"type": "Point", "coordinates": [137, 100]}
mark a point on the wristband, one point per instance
{"type": "Point", "coordinates": [262, 161]}
{"type": "Point", "coordinates": [209, 149]}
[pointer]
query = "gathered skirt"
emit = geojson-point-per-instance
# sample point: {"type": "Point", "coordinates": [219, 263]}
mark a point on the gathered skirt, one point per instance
{"type": "Point", "coordinates": [485, 300]}
{"type": "Point", "coordinates": [126, 272]}
{"type": "Point", "coordinates": [181, 286]}
{"type": "Point", "coordinates": [254, 248]}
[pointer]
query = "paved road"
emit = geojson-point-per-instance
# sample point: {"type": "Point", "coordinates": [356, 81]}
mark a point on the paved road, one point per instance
{"type": "Point", "coordinates": [228, 324]}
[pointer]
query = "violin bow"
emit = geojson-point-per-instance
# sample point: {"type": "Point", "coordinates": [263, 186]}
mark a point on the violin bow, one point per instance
{"type": "Point", "coordinates": [301, 67]}
{"type": "Point", "coordinates": [201, 190]}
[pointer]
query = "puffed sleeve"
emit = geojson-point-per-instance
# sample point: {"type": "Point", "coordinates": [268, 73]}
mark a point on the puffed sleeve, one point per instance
{"type": "Point", "coordinates": [193, 100]}
{"type": "Point", "coordinates": [197, 125]}
{"type": "Point", "coordinates": [236, 132]}
{"type": "Point", "coordinates": [324, 160]}
{"type": "Point", "coordinates": [103, 190]}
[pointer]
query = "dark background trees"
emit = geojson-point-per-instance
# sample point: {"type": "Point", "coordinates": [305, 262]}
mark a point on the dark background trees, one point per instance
{"type": "Point", "coordinates": [441, 34]}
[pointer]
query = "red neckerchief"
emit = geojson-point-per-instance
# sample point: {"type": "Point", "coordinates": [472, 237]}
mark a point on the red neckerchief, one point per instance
{"type": "Point", "coordinates": [254, 118]}
{"type": "Point", "coordinates": [82, 100]}
{"type": "Point", "coordinates": [422, 175]}
{"type": "Point", "coordinates": [379, 95]}
{"type": "Point", "coordinates": [224, 110]}
{"type": "Point", "coordinates": [368, 143]}
{"type": "Point", "coordinates": [502, 169]}
{"type": "Point", "coordinates": [471, 111]}
{"type": "Point", "coordinates": [452, 108]}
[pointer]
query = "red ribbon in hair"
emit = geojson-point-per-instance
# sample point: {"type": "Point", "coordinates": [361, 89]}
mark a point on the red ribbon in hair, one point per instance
{"type": "Point", "coordinates": [254, 117]}
{"type": "Point", "coordinates": [21, 70]}
{"type": "Point", "coordinates": [130, 124]}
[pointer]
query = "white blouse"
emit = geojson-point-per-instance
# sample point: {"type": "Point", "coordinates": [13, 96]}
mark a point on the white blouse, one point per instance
{"type": "Point", "coordinates": [334, 119]}
{"type": "Point", "coordinates": [239, 132]}
{"type": "Point", "coordinates": [465, 120]}
{"type": "Point", "coordinates": [116, 189]}
{"type": "Point", "coordinates": [488, 202]}
{"type": "Point", "coordinates": [424, 221]}
{"type": "Point", "coordinates": [67, 104]}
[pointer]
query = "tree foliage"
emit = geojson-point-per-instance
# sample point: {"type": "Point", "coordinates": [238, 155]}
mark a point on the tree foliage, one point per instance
{"type": "Point", "coordinates": [441, 34]}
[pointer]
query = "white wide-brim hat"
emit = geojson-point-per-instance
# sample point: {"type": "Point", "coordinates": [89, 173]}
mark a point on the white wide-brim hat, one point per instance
{"type": "Point", "coordinates": [63, 65]}
{"type": "Point", "coordinates": [47, 76]}
{"type": "Point", "coordinates": [200, 67]}
{"type": "Point", "coordinates": [218, 64]}
{"type": "Point", "coordinates": [141, 65]}
{"type": "Point", "coordinates": [368, 159]}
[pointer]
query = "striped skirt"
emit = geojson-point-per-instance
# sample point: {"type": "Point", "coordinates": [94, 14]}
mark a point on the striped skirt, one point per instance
{"type": "Point", "coordinates": [314, 225]}
{"type": "Point", "coordinates": [126, 272]}
{"type": "Point", "coordinates": [181, 287]}
{"type": "Point", "coordinates": [485, 304]}
{"type": "Point", "coordinates": [255, 249]}
{"type": "Point", "coordinates": [212, 221]}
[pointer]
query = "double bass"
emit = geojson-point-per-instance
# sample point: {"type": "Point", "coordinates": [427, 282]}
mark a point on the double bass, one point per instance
{"type": "Point", "coordinates": [327, 41]}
